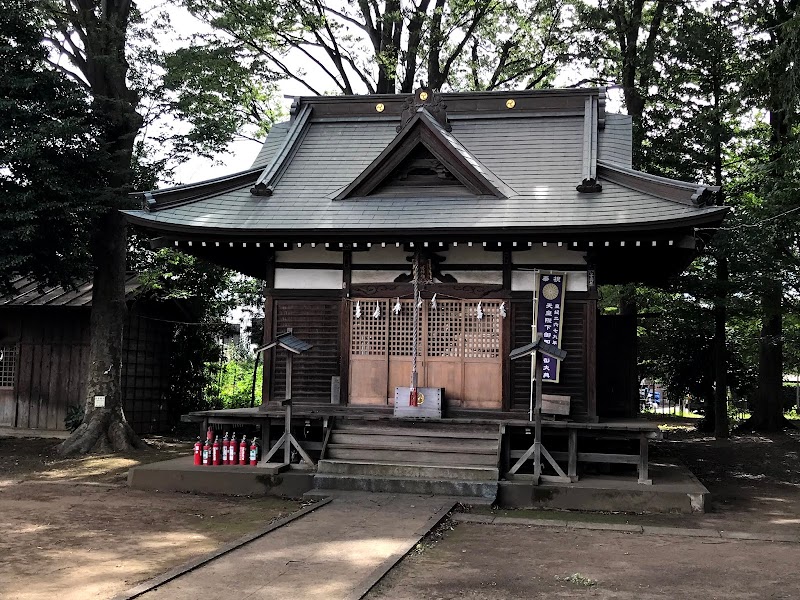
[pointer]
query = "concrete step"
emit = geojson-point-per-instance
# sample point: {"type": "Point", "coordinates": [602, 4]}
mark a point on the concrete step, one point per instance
{"type": "Point", "coordinates": [400, 485]}
{"type": "Point", "coordinates": [410, 456]}
{"type": "Point", "coordinates": [406, 470]}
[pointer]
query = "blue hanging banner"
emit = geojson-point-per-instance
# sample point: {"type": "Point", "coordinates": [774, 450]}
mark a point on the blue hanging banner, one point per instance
{"type": "Point", "coordinates": [548, 308]}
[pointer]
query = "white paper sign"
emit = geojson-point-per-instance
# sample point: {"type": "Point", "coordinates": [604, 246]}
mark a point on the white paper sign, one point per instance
{"type": "Point", "coordinates": [99, 401]}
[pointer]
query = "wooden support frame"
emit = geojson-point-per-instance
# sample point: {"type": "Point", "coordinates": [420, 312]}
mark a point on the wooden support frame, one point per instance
{"type": "Point", "coordinates": [287, 440]}
{"type": "Point", "coordinates": [573, 457]}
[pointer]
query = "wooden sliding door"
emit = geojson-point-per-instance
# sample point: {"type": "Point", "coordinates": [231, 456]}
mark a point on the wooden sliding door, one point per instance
{"type": "Point", "coordinates": [456, 350]}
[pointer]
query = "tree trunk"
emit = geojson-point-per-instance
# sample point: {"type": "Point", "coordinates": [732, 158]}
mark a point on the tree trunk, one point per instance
{"type": "Point", "coordinates": [104, 428]}
{"type": "Point", "coordinates": [767, 410]}
{"type": "Point", "coordinates": [721, 425]}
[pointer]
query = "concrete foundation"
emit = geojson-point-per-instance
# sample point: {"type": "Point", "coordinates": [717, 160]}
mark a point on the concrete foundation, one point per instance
{"type": "Point", "coordinates": [674, 490]}
{"type": "Point", "coordinates": [181, 475]}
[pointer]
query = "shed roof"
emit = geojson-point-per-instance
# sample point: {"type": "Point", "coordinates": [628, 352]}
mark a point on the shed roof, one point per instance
{"type": "Point", "coordinates": [29, 292]}
{"type": "Point", "coordinates": [538, 150]}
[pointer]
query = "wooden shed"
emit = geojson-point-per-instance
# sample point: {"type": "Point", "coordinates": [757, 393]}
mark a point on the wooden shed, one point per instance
{"type": "Point", "coordinates": [44, 346]}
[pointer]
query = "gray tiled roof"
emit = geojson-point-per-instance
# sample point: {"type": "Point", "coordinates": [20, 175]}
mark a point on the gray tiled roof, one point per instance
{"type": "Point", "coordinates": [29, 292]}
{"type": "Point", "coordinates": [540, 159]}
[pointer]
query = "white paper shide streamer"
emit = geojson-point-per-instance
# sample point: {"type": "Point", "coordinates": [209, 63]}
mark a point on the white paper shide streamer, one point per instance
{"type": "Point", "coordinates": [358, 310]}
{"type": "Point", "coordinates": [503, 309]}
{"type": "Point", "coordinates": [377, 313]}
{"type": "Point", "coordinates": [479, 311]}
{"type": "Point", "coordinates": [397, 307]}
{"type": "Point", "coordinates": [433, 302]}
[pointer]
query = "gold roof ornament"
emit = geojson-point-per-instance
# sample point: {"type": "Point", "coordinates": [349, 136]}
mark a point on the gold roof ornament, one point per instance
{"type": "Point", "coordinates": [380, 107]}
{"type": "Point", "coordinates": [511, 103]}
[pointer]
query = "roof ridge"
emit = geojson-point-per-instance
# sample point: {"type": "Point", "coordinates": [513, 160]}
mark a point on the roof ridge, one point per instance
{"type": "Point", "coordinates": [265, 184]}
{"type": "Point", "coordinates": [675, 190]}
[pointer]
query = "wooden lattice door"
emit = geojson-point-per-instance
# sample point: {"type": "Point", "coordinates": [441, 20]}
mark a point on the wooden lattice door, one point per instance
{"type": "Point", "coordinates": [368, 352]}
{"type": "Point", "coordinates": [456, 350]}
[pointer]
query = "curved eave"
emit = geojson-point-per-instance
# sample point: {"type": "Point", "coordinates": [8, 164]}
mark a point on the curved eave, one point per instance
{"type": "Point", "coordinates": [156, 200]}
{"type": "Point", "coordinates": [709, 218]}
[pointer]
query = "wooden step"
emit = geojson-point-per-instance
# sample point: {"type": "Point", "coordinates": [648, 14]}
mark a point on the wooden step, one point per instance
{"type": "Point", "coordinates": [413, 447]}
{"type": "Point", "coordinates": [427, 457]}
{"type": "Point", "coordinates": [364, 468]}
{"type": "Point", "coordinates": [436, 433]}
{"type": "Point", "coordinates": [411, 441]}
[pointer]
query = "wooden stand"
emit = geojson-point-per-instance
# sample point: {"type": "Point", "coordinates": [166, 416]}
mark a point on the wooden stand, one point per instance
{"type": "Point", "coordinates": [535, 350]}
{"type": "Point", "coordinates": [287, 440]}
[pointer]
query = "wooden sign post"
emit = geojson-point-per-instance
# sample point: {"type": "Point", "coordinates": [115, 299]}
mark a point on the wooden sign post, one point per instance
{"type": "Point", "coordinates": [535, 350]}
{"type": "Point", "coordinates": [293, 346]}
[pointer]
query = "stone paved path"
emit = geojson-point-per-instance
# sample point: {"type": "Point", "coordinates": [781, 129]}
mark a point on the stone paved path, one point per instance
{"type": "Point", "coordinates": [328, 554]}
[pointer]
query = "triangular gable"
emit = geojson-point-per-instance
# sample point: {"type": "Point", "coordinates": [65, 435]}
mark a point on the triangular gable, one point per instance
{"type": "Point", "coordinates": [423, 135]}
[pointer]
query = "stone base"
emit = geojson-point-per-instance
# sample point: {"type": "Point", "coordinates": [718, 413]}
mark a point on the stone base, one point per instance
{"type": "Point", "coordinates": [181, 475]}
{"type": "Point", "coordinates": [674, 490]}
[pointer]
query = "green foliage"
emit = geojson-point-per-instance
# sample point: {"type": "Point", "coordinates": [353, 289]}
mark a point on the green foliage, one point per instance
{"type": "Point", "coordinates": [208, 292]}
{"type": "Point", "coordinates": [49, 158]}
{"type": "Point", "coordinates": [234, 385]}
{"type": "Point", "coordinates": [73, 417]}
{"type": "Point", "coordinates": [386, 47]}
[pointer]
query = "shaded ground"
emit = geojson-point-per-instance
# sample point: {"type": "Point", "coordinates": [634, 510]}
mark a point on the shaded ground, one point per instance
{"type": "Point", "coordinates": [754, 479]}
{"type": "Point", "coordinates": [755, 485]}
{"type": "Point", "coordinates": [93, 538]}
{"type": "Point", "coordinates": [501, 562]}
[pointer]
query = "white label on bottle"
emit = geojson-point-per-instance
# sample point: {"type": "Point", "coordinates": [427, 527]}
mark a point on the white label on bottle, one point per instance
{"type": "Point", "coordinates": [252, 455]}
{"type": "Point", "coordinates": [224, 454]}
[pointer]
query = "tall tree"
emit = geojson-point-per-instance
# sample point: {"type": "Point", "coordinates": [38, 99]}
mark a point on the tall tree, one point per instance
{"type": "Point", "coordinates": [93, 36]}
{"type": "Point", "coordinates": [390, 46]}
{"type": "Point", "coordinates": [48, 158]}
{"type": "Point", "coordinates": [110, 53]}
{"type": "Point", "coordinates": [775, 25]}
{"type": "Point", "coordinates": [625, 40]}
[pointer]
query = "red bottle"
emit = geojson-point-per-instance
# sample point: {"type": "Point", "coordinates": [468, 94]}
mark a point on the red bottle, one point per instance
{"type": "Point", "coordinates": [215, 452]}
{"type": "Point", "coordinates": [198, 452]}
{"type": "Point", "coordinates": [225, 450]}
{"type": "Point", "coordinates": [254, 452]}
{"type": "Point", "coordinates": [243, 454]}
{"type": "Point", "coordinates": [207, 453]}
{"type": "Point", "coordinates": [210, 434]}
{"type": "Point", "coordinates": [233, 450]}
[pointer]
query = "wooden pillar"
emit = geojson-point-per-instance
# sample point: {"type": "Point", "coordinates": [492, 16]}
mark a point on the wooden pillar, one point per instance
{"type": "Point", "coordinates": [287, 444]}
{"type": "Point", "coordinates": [344, 328]}
{"type": "Point", "coordinates": [644, 475]}
{"type": "Point", "coordinates": [572, 466]}
{"type": "Point", "coordinates": [506, 333]}
{"type": "Point", "coordinates": [269, 333]}
{"type": "Point", "coordinates": [591, 344]}
{"type": "Point", "coordinates": [537, 415]}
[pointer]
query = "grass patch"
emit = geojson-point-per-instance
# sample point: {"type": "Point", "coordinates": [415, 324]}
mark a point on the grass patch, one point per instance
{"type": "Point", "coordinates": [249, 515]}
{"type": "Point", "coordinates": [577, 579]}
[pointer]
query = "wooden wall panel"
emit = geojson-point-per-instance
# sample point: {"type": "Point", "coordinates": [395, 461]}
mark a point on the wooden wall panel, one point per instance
{"type": "Point", "coordinates": [318, 323]}
{"type": "Point", "coordinates": [147, 347]}
{"type": "Point", "coordinates": [573, 368]}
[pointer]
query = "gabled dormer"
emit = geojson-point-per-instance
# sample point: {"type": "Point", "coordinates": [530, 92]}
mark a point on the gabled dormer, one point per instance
{"type": "Point", "coordinates": [425, 160]}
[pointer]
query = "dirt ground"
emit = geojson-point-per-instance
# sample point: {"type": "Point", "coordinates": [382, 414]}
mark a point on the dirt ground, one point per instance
{"type": "Point", "coordinates": [500, 562]}
{"type": "Point", "coordinates": [72, 530]}
{"type": "Point", "coordinates": [755, 485]}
